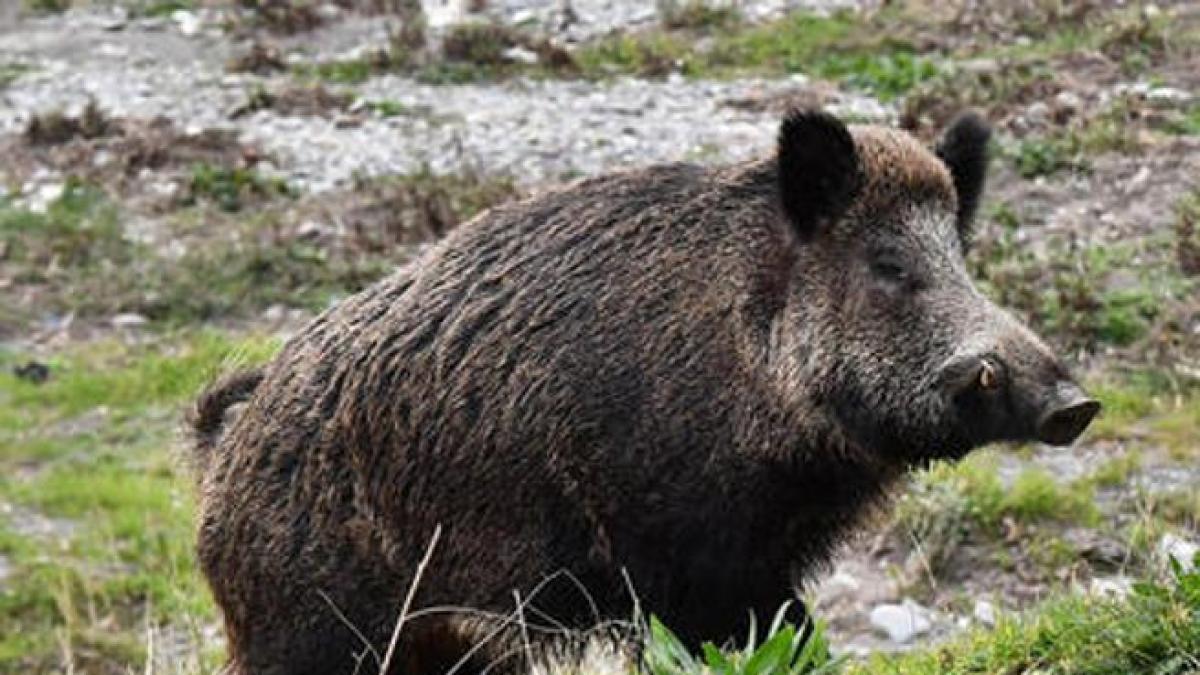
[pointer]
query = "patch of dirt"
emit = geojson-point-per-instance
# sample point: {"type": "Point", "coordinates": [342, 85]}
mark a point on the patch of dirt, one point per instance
{"type": "Point", "coordinates": [262, 58]}
{"type": "Point", "coordinates": [383, 215]}
{"type": "Point", "coordinates": [26, 522]}
{"type": "Point", "coordinates": [296, 100]}
{"type": "Point", "coordinates": [1121, 197]}
{"type": "Point", "coordinates": [141, 160]}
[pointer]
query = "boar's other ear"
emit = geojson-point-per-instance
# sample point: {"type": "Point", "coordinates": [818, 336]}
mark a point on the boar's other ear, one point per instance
{"type": "Point", "coordinates": [964, 150]}
{"type": "Point", "coordinates": [819, 174]}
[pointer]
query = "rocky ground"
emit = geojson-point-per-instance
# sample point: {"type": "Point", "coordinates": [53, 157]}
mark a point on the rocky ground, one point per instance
{"type": "Point", "coordinates": [181, 168]}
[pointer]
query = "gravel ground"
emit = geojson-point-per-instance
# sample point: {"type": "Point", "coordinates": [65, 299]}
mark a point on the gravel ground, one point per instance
{"type": "Point", "coordinates": [537, 131]}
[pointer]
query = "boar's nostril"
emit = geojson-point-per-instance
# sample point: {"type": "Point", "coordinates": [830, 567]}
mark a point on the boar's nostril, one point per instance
{"type": "Point", "coordinates": [1063, 424]}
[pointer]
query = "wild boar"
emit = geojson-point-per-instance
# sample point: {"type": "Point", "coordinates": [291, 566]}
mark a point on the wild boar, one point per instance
{"type": "Point", "coordinates": [677, 387]}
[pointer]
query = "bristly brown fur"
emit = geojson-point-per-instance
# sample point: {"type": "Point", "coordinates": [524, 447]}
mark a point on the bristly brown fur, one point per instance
{"type": "Point", "coordinates": [207, 416]}
{"type": "Point", "coordinates": [646, 388]}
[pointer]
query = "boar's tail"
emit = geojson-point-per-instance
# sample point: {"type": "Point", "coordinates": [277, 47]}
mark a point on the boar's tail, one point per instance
{"type": "Point", "coordinates": [207, 417]}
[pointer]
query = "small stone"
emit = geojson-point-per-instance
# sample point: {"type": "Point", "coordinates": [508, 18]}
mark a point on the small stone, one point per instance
{"type": "Point", "coordinates": [151, 23]}
{"type": "Point", "coordinates": [166, 189]}
{"type": "Point", "coordinates": [1068, 100]}
{"type": "Point", "coordinates": [1099, 552]}
{"type": "Point", "coordinates": [274, 313]}
{"type": "Point", "coordinates": [310, 230]}
{"type": "Point", "coordinates": [128, 320]}
{"type": "Point", "coordinates": [1168, 97]}
{"type": "Point", "coordinates": [1038, 113]}
{"type": "Point", "coordinates": [1139, 180]}
{"type": "Point", "coordinates": [984, 613]}
{"type": "Point", "coordinates": [32, 371]}
{"type": "Point", "coordinates": [188, 22]}
{"type": "Point", "coordinates": [329, 12]}
{"type": "Point", "coordinates": [1110, 587]}
{"type": "Point", "coordinates": [114, 23]}
{"type": "Point", "coordinates": [109, 50]}
{"type": "Point", "coordinates": [844, 580]}
{"type": "Point", "coordinates": [901, 623]}
{"type": "Point", "coordinates": [523, 16]}
{"type": "Point", "coordinates": [520, 54]}
{"type": "Point", "coordinates": [1182, 551]}
{"type": "Point", "coordinates": [40, 200]}
{"type": "Point", "coordinates": [981, 66]}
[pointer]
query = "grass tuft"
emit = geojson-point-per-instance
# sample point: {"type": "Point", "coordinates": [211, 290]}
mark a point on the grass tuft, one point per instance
{"type": "Point", "coordinates": [784, 649]}
{"type": "Point", "coordinates": [1154, 630]}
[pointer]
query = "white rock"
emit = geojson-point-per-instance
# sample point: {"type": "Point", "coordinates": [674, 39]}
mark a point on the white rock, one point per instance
{"type": "Point", "coordinates": [980, 66]}
{"type": "Point", "coordinates": [520, 55]}
{"type": "Point", "coordinates": [163, 188]}
{"type": "Point", "coordinates": [128, 320]}
{"type": "Point", "coordinates": [329, 11]}
{"type": "Point", "coordinates": [1139, 180]}
{"type": "Point", "coordinates": [1111, 587]}
{"type": "Point", "coordinates": [845, 580]}
{"type": "Point", "coordinates": [1182, 551]}
{"type": "Point", "coordinates": [188, 22]}
{"type": "Point", "coordinates": [1068, 100]}
{"type": "Point", "coordinates": [1168, 96]}
{"type": "Point", "coordinates": [984, 612]}
{"type": "Point", "coordinates": [274, 313]}
{"type": "Point", "coordinates": [115, 23]}
{"type": "Point", "coordinates": [903, 622]}
{"type": "Point", "coordinates": [1038, 113]}
{"type": "Point", "coordinates": [112, 51]}
{"type": "Point", "coordinates": [40, 200]}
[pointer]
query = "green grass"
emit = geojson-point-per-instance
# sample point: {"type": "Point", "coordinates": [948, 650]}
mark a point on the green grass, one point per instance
{"type": "Point", "coordinates": [855, 51]}
{"type": "Point", "coordinates": [1155, 630]}
{"type": "Point", "coordinates": [77, 254]}
{"type": "Point", "coordinates": [48, 6]}
{"type": "Point", "coordinates": [389, 108]}
{"type": "Point", "coordinates": [9, 72]}
{"type": "Point", "coordinates": [1147, 404]}
{"type": "Point", "coordinates": [698, 15]}
{"type": "Point", "coordinates": [78, 229]}
{"type": "Point", "coordinates": [784, 649]}
{"type": "Point", "coordinates": [152, 8]}
{"type": "Point", "coordinates": [1187, 123]}
{"type": "Point", "coordinates": [971, 491]}
{"type": "Point", "coordinates": [1080, 297]}
{"type": "Point", "coordinates": [841, 47]}
{"type": "Point", "coordinates": [95, 448]}
{"type": "Point", "coordinates": [232, 187]}
{"type": "Point", "coordinates": [344, 71]}
{"type": "Point", "coordinates": [1040, 156]}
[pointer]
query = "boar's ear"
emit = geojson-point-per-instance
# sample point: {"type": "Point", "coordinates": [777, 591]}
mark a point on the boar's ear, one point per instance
{"type": "Point", "coordinates": [964, 150]}
{"type": "Point", "coordinates": [819, 174]}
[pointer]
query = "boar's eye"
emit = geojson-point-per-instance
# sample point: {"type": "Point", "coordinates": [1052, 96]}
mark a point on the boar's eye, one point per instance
{"type": "Point", "coordinates": [889, 269]}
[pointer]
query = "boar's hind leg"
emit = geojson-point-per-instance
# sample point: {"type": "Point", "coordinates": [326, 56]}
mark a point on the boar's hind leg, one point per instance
{"type": "Point", "coordinates": [464, 646]}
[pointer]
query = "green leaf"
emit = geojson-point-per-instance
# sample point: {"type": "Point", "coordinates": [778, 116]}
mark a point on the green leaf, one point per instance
{"type": "Point", "coordinates": [773, 655]}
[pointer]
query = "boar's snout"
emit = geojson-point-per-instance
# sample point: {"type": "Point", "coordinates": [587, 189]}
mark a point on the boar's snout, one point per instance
{"type": "Point", "coordinates": [1017, 399]}
{"type": "Point", "coordinates": [1069, 411]}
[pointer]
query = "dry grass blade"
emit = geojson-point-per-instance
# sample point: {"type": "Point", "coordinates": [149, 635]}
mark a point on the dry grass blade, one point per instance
{"type": "Point", "coordinates": [408, 598]}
